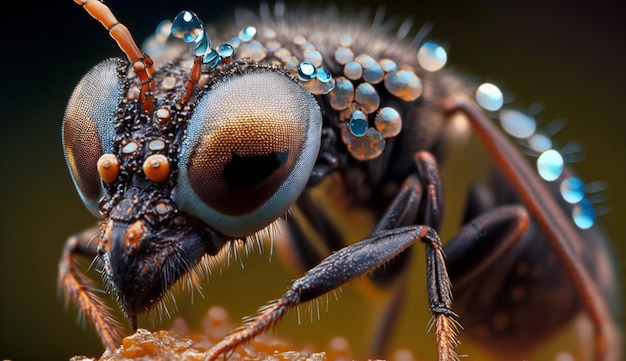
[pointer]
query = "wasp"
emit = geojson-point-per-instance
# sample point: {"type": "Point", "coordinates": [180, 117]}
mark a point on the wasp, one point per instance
{"type": "Point", "coordinates": [189, 147]}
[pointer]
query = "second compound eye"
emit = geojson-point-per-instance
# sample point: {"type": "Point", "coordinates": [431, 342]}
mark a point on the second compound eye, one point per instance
{"type": "Point", "coordinates": [252, 142]}
{"type": "Point", "coordinates": [88, 131]}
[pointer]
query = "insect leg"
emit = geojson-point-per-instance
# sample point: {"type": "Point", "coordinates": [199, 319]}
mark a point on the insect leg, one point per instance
{"type": "Point", "coordinates": [388, 241]}
{"type": "Point", "coordinates": [557, 228]}
{"type": "Point", "coordinates": [418, 201]}
{"type": "Point", "coordinates": [483, 240]}
{"type": "Point", "coordinates": [347, 264]}
{"type": "Point", "coordinates": [81, 290]}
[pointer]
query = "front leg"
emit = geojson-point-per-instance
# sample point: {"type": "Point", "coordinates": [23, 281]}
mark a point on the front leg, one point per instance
{"type": "Point", "coordinates": [82, 291]}
{"type": "Point", "coordinates": [349, 263]}
{"type": "Point", "coordinates": [394, 234]}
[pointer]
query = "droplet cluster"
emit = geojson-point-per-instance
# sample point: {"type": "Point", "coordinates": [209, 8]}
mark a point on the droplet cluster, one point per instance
{"type": "Point", "coordinates": [356, 96]}
{"type": "Point", "coordinates": [550, 162]}
{"type": "Point", "coordinates": [187, 26]}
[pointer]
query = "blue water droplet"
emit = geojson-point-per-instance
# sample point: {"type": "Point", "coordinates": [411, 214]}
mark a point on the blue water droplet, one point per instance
{"type": "Point", "coordinates": [572, 190]}
{"type": "Point", "coordinates": [431, 56]}
{"type": "Point", "coordinates": [358, 123]}
{"type": "Point", "coordinates": [225, 50]}
{"type": "Point", "coordinates": [367, 97]}
{"type": "Point", "coordinates": [187, 26]}
{"type": "Point", "coordinates": [517, 124]}
{"type": "Point", "coordinates": [343, 94]}
{"type": "Point", "coordinates": [324, 75]}
{"type": "Point", "coordinates": [246, 34]}
{"type": "Point", "coordinates": [539, 142]}
{"type": "Point", "coordinates": [388, 122]}
{"type": "Point", "coordinates": [353, 70]}
{"type": "Point", "coordinates": [344, 55]}
{"type": "Point", "coordinates": [584, 214]}
{"type": "Point", "coordinates": [345, 40]}
{"type": "Point", "coordinates": [313, 56]}
{"type": "Point", "coordinates": [489, 97]}
{"type": "Point", "coordinates": [388, 65]}
{"type": "Point", "coordinates": [404, 84]}
{"type": "Point", "coordinates": [235, 42]}
{"type": "Point", "coordinates": [550, 165]}
{"type": "Point", "coordinates": [202, 44]}
{"type": "Point", "coordinates": [212, 58]}
{"type": "Point", "coordinates": [306, 71]}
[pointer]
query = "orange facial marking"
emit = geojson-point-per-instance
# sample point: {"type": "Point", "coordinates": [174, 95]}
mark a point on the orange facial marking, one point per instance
{"type": "Point", "coordinates": [106, 237]}
{"type": "Point", "coordinates": [157, 168]}
{"type": "Point", "coordinates": [108, 168]}
{"type": "Point", "coordinates": [134, 234]}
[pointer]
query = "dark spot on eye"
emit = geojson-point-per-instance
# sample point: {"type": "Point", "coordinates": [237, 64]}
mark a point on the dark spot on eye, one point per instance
{"type": "Point", "coordinates": [245, 172]}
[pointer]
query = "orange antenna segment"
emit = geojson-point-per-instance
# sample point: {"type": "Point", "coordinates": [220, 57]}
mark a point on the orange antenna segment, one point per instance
{"type": "Point", "coordinates": [142, 64]}
{"type": "Point", "coordinates": [194, 77]}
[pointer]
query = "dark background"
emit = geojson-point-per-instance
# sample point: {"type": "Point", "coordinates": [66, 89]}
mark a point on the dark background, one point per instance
{"type": "Point", "coordinates": [570, 56]}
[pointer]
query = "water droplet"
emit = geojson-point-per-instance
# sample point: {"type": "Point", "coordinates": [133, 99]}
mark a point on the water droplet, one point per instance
{"type": "Point", "coordinates": [187, 26]}
{"type": "Point", "coordinates": [299, 40]}
{"type": "Point", "coordinates": [246, 34]}
{"type": "Point", "coordinates": [367, 97]}
{"type": "Point", "coordinates": [431, 56]}
{"type": "Point", "coordinates": [372, 71]}
{"type": "Point", "coordinates": [539, 142]}
{"type": "Point", "coordinates": [517, 124]}
{"type": "Point", "coordinates": [225, 50]}
{"type": "Point", "coordinates": [235, 42]}
{"type": "Point", "coordinates": [550, 165]}
{"type": "Point", "coordinates": [489, 97]}
{"type": "Point", "coordinates": [388, 122]}
{"type": "Point", "coordinates": [306, 71]}
{"type": "Point", "coordinates": [212, 58]}
{"type": "Point", "coordinates": [388, 65]}
{"type": "Point", "coordinates": [269, 34]}
{"type": "Point", "coordinates": [572, 190]}
{"type": "Point", "coordinates": [367, 147]}
{"type": "Point", "coordinates": [313, 56]}
{"type": "Point", "coordinates": [403, 84]}
{"type": "Point", "coordinates": [344, 55]}
{"type": "Point", "coordinates": [282, 54]}
{"type": "Point", "coordinates": [358, 123]}
{"type": "Point", "coordinates": [353, 70]}
{"type": "Point", "coordinates": [202, 44]}
{"type": "Point", "coordinates": [272, 46]}
{"type": "Point", "coordinates": [345, 40]}
{"type": "Point", "coordinates": [308, 46]}
{"type": "Point", "coordinates": [584, 214]}
{"type": "Point", "coordinates": [324, 75]}
{"type": "Point", "coordinates": [342, 96]}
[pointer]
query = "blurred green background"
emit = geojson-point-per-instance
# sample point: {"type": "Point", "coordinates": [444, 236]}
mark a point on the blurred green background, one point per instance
{"type": "Point", "coordinates": [568, 55]}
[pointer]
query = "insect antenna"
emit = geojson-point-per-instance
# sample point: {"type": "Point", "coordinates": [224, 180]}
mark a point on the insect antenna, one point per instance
{"type": "Point", "coordinates": [142, 64]}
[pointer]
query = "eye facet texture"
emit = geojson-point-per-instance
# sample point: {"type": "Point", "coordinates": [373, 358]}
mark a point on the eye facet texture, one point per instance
{"type": "Point", "coordinates": [88, 128]}
{"type": "Point", "coordinates": [251, 145]}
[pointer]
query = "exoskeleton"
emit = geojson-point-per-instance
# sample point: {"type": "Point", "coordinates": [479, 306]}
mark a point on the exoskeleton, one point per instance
{"type": "Point", "coordinates": [188, 147]}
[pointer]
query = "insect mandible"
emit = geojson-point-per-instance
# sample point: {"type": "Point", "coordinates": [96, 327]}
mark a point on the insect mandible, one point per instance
{"type": "Point", "coordinates": [190, 147]}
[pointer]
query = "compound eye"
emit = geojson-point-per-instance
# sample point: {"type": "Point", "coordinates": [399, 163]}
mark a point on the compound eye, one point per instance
{"type": "Point", "coordinates": [88, 128]}
{"type": "Point", "coordinates": [251, 145]}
